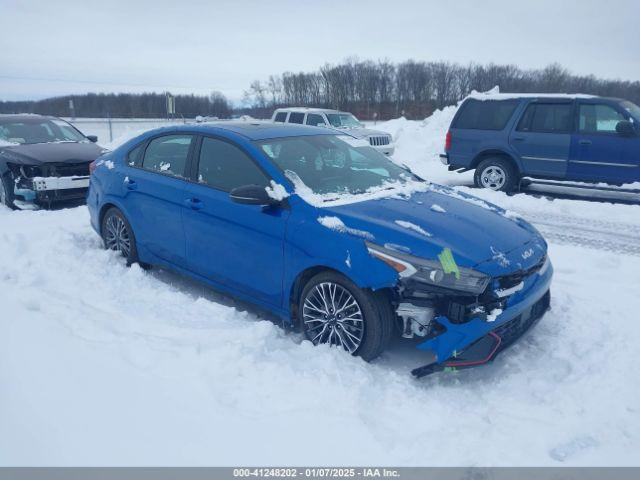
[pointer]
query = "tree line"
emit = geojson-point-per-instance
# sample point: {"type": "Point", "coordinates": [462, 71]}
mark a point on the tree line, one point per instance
{"type": "Point", "coordinates": [414, 89]}
{"type": "Point", "coordinates": [369, 89]}
{"type": "Point", "coordinates": [127, 105]}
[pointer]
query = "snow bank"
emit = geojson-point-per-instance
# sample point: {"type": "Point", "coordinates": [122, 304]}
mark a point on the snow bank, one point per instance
{"type": "Point", "coordinates": [123, 138]}
{"type": "Point", "coordinates": [418, 143]}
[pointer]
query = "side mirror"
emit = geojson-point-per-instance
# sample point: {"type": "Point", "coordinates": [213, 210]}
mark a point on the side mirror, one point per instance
{"type": "Point", "coordinates": [252, 195]}
{"type": "Point", "coordinates": [625, 128]}
{"type": "Point", "coordinates": [92, 138]}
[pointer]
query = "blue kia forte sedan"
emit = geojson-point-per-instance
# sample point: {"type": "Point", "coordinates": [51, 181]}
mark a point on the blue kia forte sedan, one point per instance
{"type": "Point", "coordinates": [328, 234]}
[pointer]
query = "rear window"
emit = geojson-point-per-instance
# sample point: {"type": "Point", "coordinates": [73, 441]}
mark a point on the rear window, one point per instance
{"type": "Point", "coordinates": [485, 114]}
{"type": "Point", "coordinates": [134, 158]}
{"type": "Point", "coordinates": [296, 117]}
{"type": "Point", "coordinates": [281, 117]}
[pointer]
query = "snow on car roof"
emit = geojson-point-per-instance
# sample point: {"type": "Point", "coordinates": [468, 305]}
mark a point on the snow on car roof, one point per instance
{"type": "Point", "coordinates": [256, 130]}
{"type": "Point", "coordinates": [25, 117]}
{"type": "Point", "coordinates": [507, 96]}
{"type": "Point", "coordinates": [309, 110]}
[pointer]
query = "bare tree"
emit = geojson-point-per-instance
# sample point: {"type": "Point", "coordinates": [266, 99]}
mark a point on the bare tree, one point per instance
{"type": "Point", "coordinates": [415, 89]}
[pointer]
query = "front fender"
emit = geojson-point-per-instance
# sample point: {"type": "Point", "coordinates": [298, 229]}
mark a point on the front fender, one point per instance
{"type": "Point", "coordinates": [310, 244]}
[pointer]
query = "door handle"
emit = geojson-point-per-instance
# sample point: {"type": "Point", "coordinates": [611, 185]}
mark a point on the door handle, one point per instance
{"type": "Point", "coordinates": [585, 142]}
{"type": "Point", "coordinates": [194, 203]}
{"type": "Point", "coordinates": [130, 184]}
{"type": "Point", "coordinates": [518, 139]}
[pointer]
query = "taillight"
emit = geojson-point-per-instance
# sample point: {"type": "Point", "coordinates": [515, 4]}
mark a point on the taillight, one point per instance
{"type": "Point", "coordinates": [447, 142]}
{"type": "Point", "coordinates": [92, 167]}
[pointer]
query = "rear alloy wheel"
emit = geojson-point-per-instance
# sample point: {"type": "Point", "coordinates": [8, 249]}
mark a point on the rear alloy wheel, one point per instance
{"type": "Point", "coordinates": [118, 236]}
{"type": "Point", "coordinates": [496, 174]}
{"type": "Point", "coordinates": [334, 311]}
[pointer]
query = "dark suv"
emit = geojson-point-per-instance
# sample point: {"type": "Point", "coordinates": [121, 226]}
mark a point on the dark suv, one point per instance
{"type": "Point", "coordinates": [565, 137]}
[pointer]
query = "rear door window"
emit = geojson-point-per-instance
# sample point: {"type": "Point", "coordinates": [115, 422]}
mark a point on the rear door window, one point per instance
{"type": "Point", "coordinates": [296, 117]}
{"type": "Point", "coordinates": [599, 118]}
{"type": "Point", "coordinates": [485, 114]}
{"type": "Point", "coordinates": [168, 155]}
{"type": "Point", "coordinates": [281, 117]}
{"type": "Point", "coordinates": [547, 118]}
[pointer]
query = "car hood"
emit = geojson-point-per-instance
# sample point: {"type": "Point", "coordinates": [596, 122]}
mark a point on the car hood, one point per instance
{"type": "Point", "coordinates": [480, 235]}
{"type": "Point", "coordinates": [363, 132]}
{"type": "Point", "coordinates": [41, 153]}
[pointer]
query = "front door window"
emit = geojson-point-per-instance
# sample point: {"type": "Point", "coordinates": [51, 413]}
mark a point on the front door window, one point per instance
{"type": "Point", "coordinates": [599, 118]}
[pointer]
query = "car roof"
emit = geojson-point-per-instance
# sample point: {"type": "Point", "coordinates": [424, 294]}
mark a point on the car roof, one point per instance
{"type": "Point", "coordinates": [308, 110]}
{"type": "Point", "coordinates": [255, 130]}
{"type": "Point", "coordinates": [25, 117]}
{"type": "Point", "coordinates": [542, 96]}
{"type": "Point", "coordinates": [517, 96]}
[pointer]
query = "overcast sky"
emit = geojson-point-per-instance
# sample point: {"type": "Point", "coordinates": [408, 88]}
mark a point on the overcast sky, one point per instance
{"type": "Point", "coordinates": [52, 48]}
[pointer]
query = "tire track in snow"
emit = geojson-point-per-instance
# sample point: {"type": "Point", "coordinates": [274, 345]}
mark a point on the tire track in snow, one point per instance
{"type": "Point", "coordinates": [585, 232]}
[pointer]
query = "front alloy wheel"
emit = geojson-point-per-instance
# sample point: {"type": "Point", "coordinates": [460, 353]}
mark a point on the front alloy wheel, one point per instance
{"type": "Point", "coordinates": [6, 197]}
{"type": "Point", "coordinates": [333, 310]}
{"type": "Point", "coordinates": [3, 194]}
{"type": "Point", "coordinates": [332, 315]}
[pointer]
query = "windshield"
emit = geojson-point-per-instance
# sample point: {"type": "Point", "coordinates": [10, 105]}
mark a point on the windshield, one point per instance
{"type": "Point", "coordinates": [632, 108]}
{"type": "Point", "coordinates": [334, 164]}
{"type": "Point", "coordinates": [343, 120]}
{"type": "Point", "coordinates": [38, 131]}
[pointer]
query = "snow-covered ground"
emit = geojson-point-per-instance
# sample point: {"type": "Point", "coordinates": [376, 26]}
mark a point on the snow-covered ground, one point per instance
{"type": "Point", "coordinates": [108, 131]}
{"type": "Point", "coordinates": [106, 365]}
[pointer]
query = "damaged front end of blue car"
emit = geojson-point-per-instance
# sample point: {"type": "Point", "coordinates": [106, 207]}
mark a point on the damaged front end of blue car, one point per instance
{"type": "Point", "coordinates": [465, 277]}
{"type": "Point", "coordinates": [465, 317]}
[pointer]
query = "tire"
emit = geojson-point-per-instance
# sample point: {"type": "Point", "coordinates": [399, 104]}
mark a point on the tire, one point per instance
{"type": "Point", "coordinates": [496, 173]}
{"type": "Point", "coordinates": [117, 235]}
{"type": "Point", "coordinates": [6, 193]}
{"type": "Point", "coordinates": [363, 329]}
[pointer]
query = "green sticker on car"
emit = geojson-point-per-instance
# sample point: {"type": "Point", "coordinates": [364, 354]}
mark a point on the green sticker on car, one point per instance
{"type": "Point", "coordinates": [448, 262]}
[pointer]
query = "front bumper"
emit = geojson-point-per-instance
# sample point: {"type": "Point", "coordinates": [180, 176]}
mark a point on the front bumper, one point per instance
{"type": "Point", "coordinates": [478, 340]}
{"type": "Point", "coordinates": [32, 193]}
{"type": "Point", "coordinates": [385, 149]}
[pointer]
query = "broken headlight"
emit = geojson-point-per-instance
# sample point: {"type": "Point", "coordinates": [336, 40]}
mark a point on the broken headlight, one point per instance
{"type": "Point", "coordinates": [25, 171]}
{"type": "Point", "coordinates": [443, 272]}
{"type": "Point", "coordinates": [29, 171]}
